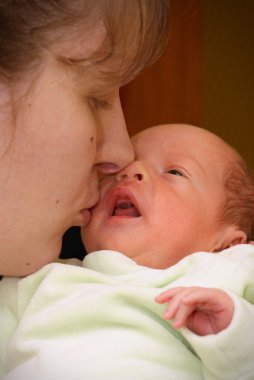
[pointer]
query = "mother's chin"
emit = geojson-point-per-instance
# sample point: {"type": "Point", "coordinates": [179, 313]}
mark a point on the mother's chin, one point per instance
{"type": "Point", "coordinates": [29, 259]}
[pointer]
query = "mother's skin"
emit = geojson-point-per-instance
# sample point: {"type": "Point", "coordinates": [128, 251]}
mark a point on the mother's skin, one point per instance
{"type": "Point", "coordinates": [60, 114]}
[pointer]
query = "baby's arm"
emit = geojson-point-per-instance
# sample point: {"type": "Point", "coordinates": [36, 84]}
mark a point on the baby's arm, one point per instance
{"type": "Point", "coordinates": [202, 310]}
{"type": "Point", "coordinates": [225, 347]}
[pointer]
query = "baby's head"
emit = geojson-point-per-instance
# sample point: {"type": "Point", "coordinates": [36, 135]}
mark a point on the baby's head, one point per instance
{"type": "Point", "coordinates": [186, 191]}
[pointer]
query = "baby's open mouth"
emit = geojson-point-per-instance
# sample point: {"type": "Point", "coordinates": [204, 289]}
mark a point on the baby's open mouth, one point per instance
{"type": "Point", "coordinates": [125, 207]}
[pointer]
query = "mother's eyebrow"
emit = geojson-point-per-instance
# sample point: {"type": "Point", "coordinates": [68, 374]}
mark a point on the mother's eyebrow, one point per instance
{"type": "Point", "coordinates": [103, 81]}
{"type": "Point", "coordinates": [80, 64]}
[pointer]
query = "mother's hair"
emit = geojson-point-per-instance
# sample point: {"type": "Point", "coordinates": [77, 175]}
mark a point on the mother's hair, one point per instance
{"type": "Point", "coordinates": [136, 32]}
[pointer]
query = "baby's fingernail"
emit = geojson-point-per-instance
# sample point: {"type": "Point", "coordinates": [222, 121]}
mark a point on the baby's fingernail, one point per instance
{"type": "Point", "coordinates": [160, 299]}
{"type": "Point", "coordinates": [167, 315]}
{"type": "Point", "coordinates": [177, 325]}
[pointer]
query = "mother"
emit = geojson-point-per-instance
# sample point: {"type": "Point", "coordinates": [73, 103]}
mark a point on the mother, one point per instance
{"type": "Point", "coordinates": [61, 65]}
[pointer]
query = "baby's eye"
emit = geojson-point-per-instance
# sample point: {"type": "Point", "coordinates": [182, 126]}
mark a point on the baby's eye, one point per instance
{"type": "Point", "coordinates": [175, 172]}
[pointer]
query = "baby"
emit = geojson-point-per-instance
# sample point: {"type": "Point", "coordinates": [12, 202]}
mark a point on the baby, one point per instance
{"type": "Point", "coordinates": [186, 191]}
{"type": "Point", "coordinates": [175, 220]}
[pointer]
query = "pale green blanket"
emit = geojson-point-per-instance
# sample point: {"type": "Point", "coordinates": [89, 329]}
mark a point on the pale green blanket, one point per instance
{"type": "Point", "coordinates": [100, 321]}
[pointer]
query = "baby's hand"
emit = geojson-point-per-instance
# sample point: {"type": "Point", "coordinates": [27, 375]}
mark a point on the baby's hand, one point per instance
{"type": "Point", "coordinates": [203, 310]}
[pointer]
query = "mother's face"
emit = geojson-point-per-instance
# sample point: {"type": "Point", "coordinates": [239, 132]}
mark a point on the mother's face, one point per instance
{"type": "Point", "coordinates": [63, 125]}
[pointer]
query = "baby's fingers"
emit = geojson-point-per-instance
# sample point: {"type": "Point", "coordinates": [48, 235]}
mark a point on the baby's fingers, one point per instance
{"type": "Point", "coordinates": [205, 299]}
{"type": "Point", "coordinates": [178, 310]}
{"type": "Point", "coordinates": [168, 294]}
{"type": "Point", "coordinates": [181, 315]}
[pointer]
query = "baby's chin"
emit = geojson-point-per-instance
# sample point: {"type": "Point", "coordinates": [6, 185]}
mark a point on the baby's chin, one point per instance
{"type": "Point", "coordinates": [87, 242]}
{"type": "Point", "coordinates": [92, 243]}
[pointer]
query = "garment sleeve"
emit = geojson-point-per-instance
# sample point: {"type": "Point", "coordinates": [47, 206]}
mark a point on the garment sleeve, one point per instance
{"type": "Point", "coordinates": [228, 355]}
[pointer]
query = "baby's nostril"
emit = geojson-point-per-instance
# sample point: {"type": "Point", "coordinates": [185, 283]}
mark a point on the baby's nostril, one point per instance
{"type": "Point", "coordinates": [139, 177]}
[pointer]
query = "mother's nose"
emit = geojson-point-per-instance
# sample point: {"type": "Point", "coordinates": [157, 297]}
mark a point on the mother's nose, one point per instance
{"type": "Point", "coordinates": [114, 148]}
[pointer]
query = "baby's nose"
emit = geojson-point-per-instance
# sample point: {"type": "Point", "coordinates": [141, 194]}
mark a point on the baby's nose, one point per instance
{"type": "Point", "coordinates": [133, 171]}
{"type": "Point", "coordinates": [122, 176]}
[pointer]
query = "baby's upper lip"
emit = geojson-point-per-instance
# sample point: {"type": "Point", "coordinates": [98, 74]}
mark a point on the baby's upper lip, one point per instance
{"type": "Point", "coordinates": [123, 202]}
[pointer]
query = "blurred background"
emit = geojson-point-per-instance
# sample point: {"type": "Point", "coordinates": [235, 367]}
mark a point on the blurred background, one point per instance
{"type": "Point", "coordinates": [205, 78]}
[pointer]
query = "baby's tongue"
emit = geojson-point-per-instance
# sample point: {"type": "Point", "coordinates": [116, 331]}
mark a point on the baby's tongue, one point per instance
{"type": "Point", "coordinates": [126, 209]}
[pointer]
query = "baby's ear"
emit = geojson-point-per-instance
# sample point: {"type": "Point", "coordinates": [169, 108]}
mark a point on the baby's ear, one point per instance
{"type": "Point", "coordinates": [238, 238]}
{"type": "Point", "coordinates": [234, 237]}
{"type": "Point", "coordinates": [231, 236]}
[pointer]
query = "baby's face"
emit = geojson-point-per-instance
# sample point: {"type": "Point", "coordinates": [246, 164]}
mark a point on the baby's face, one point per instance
{"type": "Point", "coordinates": [164, 205]}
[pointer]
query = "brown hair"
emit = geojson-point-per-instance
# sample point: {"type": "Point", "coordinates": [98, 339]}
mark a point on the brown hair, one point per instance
{"type": "Point", "coordinates": [239, 205]}
{"type": "Point", "coordinates": [136, 32]}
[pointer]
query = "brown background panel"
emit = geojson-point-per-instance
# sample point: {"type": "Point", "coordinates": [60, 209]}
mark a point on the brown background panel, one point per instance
{"type": "Point", "coordinates": [170, 91]}
{"type": "Point", "coordinates": [205, 77]}
{"type": "Point", "coordinates": [229, 72]}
